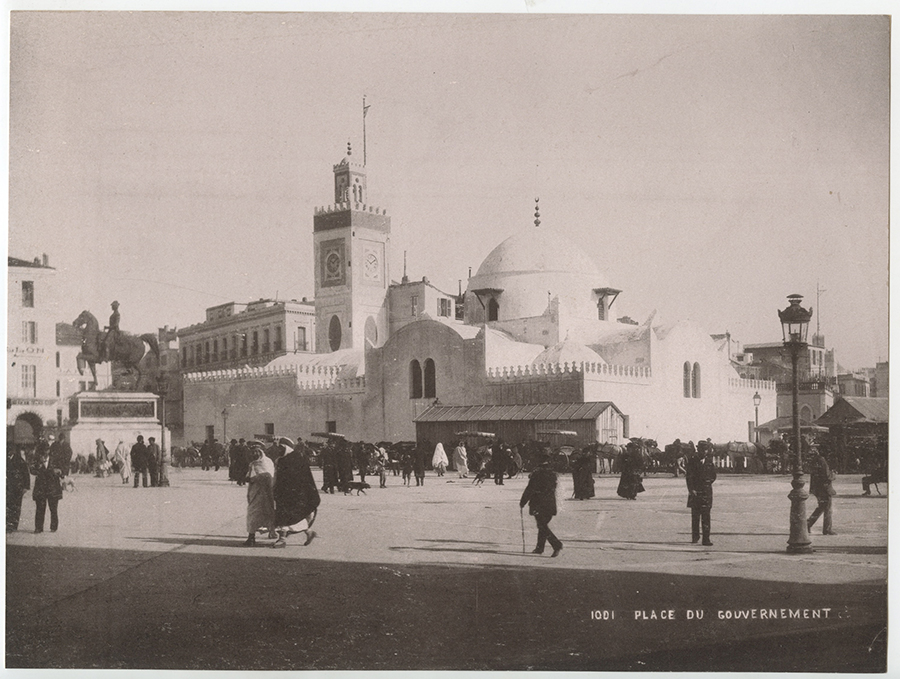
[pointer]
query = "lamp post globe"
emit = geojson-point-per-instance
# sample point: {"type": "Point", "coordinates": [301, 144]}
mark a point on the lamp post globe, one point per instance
{"type": "Point", "coordinates": [794, 325]}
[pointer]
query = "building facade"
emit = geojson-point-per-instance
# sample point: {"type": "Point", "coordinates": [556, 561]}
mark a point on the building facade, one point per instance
{"type": "Point", "coordinates": [31, 370]}
{"type": "Point", "coordinates": [253, 334]}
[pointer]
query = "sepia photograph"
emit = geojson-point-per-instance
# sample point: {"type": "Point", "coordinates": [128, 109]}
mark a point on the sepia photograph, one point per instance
{"type": "Point", "coordinates": [306, 306]}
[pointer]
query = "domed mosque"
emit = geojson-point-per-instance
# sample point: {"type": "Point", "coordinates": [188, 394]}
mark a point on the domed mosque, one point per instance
{"type": "Point", "coordinates": [535, 347]}
{"type": "Point", "coordinates": [538, 274]}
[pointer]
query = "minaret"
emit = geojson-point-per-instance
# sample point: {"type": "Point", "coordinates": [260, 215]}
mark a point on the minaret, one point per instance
{"type": "Point", "coordinates": [351, 241]}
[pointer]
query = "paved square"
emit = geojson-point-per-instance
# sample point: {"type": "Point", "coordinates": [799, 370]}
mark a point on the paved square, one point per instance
{"type": "Point", "coordinates": [434, 577]}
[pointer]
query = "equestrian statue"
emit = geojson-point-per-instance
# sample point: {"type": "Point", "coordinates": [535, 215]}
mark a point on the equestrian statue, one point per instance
{"type": "Point", "coordinates": [99, 347]}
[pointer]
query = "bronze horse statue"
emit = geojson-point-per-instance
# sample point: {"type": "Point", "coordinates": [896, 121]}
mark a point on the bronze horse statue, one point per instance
{"type": "Point", "coordinates": [127, 349]}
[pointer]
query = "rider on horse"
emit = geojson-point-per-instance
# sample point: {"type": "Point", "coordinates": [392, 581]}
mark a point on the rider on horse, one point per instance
{"type": "Point", "coordinates": [112, 336]}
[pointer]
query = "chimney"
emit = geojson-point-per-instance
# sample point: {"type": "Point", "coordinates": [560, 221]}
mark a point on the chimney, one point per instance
{"type": "Point", "coordinates": [45, 259]}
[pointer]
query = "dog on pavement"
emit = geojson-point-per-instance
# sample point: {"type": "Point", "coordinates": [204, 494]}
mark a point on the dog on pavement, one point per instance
{"type": "Point", "coordinates": [358, 486]}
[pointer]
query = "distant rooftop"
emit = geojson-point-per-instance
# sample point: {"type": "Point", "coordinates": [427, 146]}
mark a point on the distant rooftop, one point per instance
{"type": "Point", "coordinates": [42, 262]}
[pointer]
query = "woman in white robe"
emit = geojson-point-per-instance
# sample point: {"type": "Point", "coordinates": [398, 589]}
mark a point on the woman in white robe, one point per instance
{"type": "Point", "coordinates": [260, 498]}
{"type": "Point", "coordinates": [460, 459]}
{"type": "Point", "coordinates": [439, 459]}
{"type": "Point", "coordinates": [122, 458]}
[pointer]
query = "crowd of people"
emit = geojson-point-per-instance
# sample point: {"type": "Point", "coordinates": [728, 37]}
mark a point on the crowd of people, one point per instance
{"type": "Point", "coordinates": [282, 497]}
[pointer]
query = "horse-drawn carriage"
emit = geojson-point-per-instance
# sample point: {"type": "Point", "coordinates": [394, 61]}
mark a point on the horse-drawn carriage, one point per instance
{"type": "Point", "coordinates": [561, 445]}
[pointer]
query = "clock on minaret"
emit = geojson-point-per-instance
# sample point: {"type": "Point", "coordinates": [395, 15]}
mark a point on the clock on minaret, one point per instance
{"type": "Point", "coordinates": [333, 263]}
{"type": "Point", "coordinates": [373, 268]}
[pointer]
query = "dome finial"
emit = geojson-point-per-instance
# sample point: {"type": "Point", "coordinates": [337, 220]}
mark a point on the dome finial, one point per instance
{"type": "Point", "coordinates": [537, 212]}
{"type": "Point", "coordinates": [349, 149]}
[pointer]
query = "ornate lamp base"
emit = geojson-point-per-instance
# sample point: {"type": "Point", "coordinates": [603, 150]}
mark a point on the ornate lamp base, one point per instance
{"type": "Point", "coordinates": [798, 542]}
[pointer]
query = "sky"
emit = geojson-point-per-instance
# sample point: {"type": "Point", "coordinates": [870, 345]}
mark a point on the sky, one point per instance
{"type": "Point", "coordinates": [709, 165]}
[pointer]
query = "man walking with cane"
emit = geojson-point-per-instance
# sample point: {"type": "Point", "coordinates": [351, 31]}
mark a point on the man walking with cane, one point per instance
{"type": "Point", "coordinates": [540, 496]}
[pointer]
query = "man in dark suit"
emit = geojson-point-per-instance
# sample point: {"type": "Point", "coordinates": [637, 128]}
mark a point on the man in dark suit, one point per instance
{"type": "Point", "coordinates": [499, 461]}
{"type": "Point", "coordinates": [18, 480]}
{"type": "Point", "coordinates": [139, 461]}
{"type": "Point", "coordinates": [820, 477]}
{"type": "Point", "coordinates": [700, 474]}
{"type": "Point", "coordinates": [153, 459]}
{"type": "Point", "coordinates": [47, 492]}
{"type": "Point", "coordinates": [540, 496]}
{"type": "Point", "coordinates": [61, 455]}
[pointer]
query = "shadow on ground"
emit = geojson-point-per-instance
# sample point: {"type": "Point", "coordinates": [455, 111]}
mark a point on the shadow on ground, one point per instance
{"type": "Point", "coordinates": [94, 608]}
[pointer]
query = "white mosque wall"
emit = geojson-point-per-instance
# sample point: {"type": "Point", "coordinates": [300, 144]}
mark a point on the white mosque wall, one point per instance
{"type": "Point", "coordinates": [252, 403]}
{"type": "Point", "coordinates": [501, 351]}
{"type": "Point", "coordinates": [459, 367]}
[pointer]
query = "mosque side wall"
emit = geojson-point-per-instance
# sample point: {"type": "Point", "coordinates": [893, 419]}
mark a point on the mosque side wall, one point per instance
{"type": "Point", "coordinates": [252, 403]}
{"type": "Point", "coordinates": [658, 408]}
{"type": "Point", "coordinates": [458, 367]}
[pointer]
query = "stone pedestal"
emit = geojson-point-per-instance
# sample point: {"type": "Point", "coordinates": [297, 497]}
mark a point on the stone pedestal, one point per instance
{"type": "Point", "coordinates": [113, 416]}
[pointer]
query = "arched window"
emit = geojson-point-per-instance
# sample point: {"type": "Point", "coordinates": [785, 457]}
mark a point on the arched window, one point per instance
{"type": "Point", "coordinates": [371, 331]}
{"type": "Point", "coordinates": [493, 309]}
{"type": "Point", "coordinates": [687, 379]}
{"type": "Point", "coordinates": [415, 379]}
{"type": "Point", "coordinates": [430, 387]}
{"type": "Point", "coordinates": [695, 381]}
{"type": "Point", "coordinates": [334, 333]}
{"type": "Point", "coordinates": [806, 413]}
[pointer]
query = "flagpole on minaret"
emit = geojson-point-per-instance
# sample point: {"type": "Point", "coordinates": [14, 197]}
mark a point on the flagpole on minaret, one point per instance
{"type": "Point", "coordinates": [365, 109]}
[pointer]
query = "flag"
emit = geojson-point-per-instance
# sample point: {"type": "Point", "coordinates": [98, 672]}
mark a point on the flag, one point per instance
{"type": "Point", "coordinates": [365, 108]}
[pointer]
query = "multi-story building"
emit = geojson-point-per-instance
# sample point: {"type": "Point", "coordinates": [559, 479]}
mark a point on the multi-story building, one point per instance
{"type": "Point", "coordinates": [236, 335]}
{"type": "Point", "coordinates": [31, 373]}
{"type": "Point", "coordinates": [854, 385]}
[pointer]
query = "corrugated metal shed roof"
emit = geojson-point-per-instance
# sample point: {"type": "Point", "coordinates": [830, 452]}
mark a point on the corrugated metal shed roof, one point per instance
{"type": "Point", "coordinates": [852, 409]}
{"type": "Point", "coordinates": [535, 411]}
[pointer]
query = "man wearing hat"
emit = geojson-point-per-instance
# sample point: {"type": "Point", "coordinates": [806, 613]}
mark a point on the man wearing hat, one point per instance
{"type": "Point", "coordinates": [139, 465]}
{"type": "Point", "coordinates": [540, 496]}
{"type": "Point", "coordinates": [700, 474]}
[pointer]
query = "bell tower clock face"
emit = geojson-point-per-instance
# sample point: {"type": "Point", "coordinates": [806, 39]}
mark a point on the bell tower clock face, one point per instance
{"type": "Point", "coordinates": [372, 266]}
{"type": "Point", "coordinates": [372, 263]}
{"type": "Point", "coordinates": [333, 263]}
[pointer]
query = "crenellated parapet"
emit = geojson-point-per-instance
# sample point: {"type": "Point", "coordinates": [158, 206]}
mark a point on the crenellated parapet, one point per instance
{"type": "Point", "coordinates": [741, 384]}
{"type": "Point", "coordinates": [245, 373]}
{"type": "Point", "coordinates": [351, 385]}
{"type": "Point", "coordinates": [307, 377]}
{"type": "Point", "coordinates": [350, 205]}
{"type": "Point", "coordinates": [600, 371]}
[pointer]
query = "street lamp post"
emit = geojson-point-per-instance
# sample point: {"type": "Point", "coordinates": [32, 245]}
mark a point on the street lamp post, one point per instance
{"type": "Point", "coordinates": [162, 387]}
{"type": "Point", "coordinates": [225, 425]}
{"type": "Point", "coordinates": [794, 324]}
{"type": "Point", "coordinates": [757, 399]}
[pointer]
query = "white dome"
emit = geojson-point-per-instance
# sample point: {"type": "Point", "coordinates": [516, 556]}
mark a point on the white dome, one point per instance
{"type": "Point", "coordinates": [538, 250]}
{"type": "Point", "coordinates": [533, 263]}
